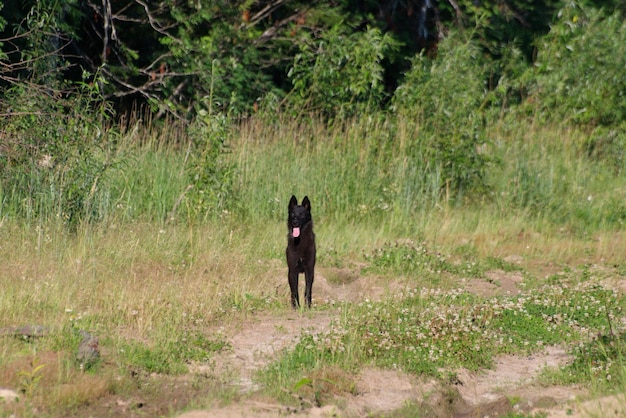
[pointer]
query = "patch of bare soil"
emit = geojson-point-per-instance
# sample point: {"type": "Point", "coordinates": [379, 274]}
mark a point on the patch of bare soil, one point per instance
{"type": "Point", "coordinates": [380, 391]}
{"type": "Point", "coordinates": [495, 283]}
{"type": "Point", "coordinates": [346, 285]}
{"type": "Point", "coordinates": [511, 386]}
{"type": "Point", "coordinates": [258, 342]}
{"type": "Point", "coordinates": [510, 373]}
{"type": "Point", "coordinates": [261, 339]}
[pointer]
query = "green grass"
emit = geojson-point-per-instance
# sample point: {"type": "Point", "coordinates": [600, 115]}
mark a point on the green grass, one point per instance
{"type": "Point", "coordinates": [155, 279]}
{"type": "Point", "coordinates": [172, 355]}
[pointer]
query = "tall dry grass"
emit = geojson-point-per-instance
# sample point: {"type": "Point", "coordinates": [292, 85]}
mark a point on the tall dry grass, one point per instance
{"type": "Point", "coordinates": [158, 288]}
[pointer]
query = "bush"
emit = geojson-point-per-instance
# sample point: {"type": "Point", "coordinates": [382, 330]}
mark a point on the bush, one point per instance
{"type": "Point", "coordinates": [210, 177]}
{"type": "Point", "coordinates": [444, 97]}
{"type": "Point", "coordinates": [579, 72]}
{"type": "Point", "coordinates": [341, 73]}
{"type": "Point", "coordinates": [608, 143]}
{"type": "Point", "coordinates": [56, 155]}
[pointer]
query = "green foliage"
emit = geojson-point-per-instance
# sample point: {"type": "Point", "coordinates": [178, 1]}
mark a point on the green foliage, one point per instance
{"type": "Point", "coordinates": [30, 379]}
{"type": "Point", "coordinates": [607, 144]}
{"type": "Point", "coordinates": [61, 160]}
{"type": "Point", "coordinates": [579, 73]}
{"type": "Point", "coordinates": [214, 52]}
{"type": "Point", "coordinates": [210, 178]}
{"type": "Point", "coordinates": [536, 187]}
{"type": "Point", "coordinates": [58, 154]}
{"type": "Point", "coordinates": [413, 259]}
{"type": "Point", "coordinates": [447, 95]}
{"type": "Point", "coordinates": [341, 73]}
{"type": "Point", "coordinates": [600, 361]}
{"type": "Point", "coordinates": [171, 356]}
{"type": "Point", "coordinates": [35, 32]}
{"type": "Point", "coordinates": [341, 59]}
{"type": "Point", "coordinates": [354, 161]}
{"type": "Point", "coordinates": [548, 176]}
{"type": "Point", "coordinates": [505, 22]}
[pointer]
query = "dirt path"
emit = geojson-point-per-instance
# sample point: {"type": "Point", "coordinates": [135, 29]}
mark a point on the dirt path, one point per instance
{"type": "Point", "coordinates": [260, 341]}
{"type": "Point", "coordinates": [509, 387]}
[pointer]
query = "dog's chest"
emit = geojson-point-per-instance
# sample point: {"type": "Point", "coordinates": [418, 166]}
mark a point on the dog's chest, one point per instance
{"type": "Point", "coordinates": [301, 262]}
{"type": "Point", "coordinates": [301, 250]}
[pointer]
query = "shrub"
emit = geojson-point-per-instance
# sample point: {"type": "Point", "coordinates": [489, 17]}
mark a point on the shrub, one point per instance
{"type": "Point", "coordinates": [579, 72]}
{"type": "Point", "coordinates": [210, 177]}
{"type": "Point", "coordinates": [608, 144]}
{"type": "Point", "coordinates": [341, 73]}
{"type": "Point", "coordinates": [444, 97]}
{"type": "Point", "coordinates": [57, 153]}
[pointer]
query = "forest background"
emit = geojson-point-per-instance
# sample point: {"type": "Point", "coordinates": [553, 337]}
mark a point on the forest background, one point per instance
{"type": "Point", "coordinates": [78, 77]}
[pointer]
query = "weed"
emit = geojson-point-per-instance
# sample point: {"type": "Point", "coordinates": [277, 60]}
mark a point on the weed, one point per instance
{"type": "Point", "coordinates": [209, 189]}
{"type": "Point", "coordinates": [320, 385]}
{"type": "Point", "coordinates": [29, 379]}
{"type": "Point", "coordinates": [600, 361]}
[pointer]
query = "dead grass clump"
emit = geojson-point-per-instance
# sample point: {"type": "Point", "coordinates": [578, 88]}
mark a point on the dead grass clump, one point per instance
{"type": "Point", "coordinates": [325, 384]}
{"type": "Point", "coordinates": [81, 390]}
{"type": "Point", "coordinates": [49, 381]}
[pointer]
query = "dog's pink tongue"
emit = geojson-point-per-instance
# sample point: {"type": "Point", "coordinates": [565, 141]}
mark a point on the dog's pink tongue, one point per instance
{"type": "Point", "coordinates": [296, 232]}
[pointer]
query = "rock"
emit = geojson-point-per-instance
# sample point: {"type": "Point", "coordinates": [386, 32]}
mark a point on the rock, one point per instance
{"type": "Point", "coordinates": [8, 395]}
{"type": "Point", "coordinates": [88, 350]}
{"type": "Point", "coordinates": [26, 331]}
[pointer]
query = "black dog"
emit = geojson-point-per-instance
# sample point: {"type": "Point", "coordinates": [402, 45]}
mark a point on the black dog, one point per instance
{"type": "Point", "coordinates": [300, 248]}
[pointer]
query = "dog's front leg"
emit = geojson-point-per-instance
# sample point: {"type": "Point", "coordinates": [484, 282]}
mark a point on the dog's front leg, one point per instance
{"type": "Point", "coordinates": [308, 289]}
{"type": "Point", "coordinates": [293, 285]}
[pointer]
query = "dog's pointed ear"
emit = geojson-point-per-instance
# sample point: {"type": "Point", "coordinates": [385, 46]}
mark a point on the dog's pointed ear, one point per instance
{"type": "Point", "coordinates": [306, 203]}
{"type": "Point", "coordinates": [293, 202]}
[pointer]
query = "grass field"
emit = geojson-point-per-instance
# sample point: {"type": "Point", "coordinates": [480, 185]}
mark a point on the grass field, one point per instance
{"type": "Point", "coordinates": [170, 272]}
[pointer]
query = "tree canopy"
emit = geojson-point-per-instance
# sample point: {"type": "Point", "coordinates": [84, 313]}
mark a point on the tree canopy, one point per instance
{"type": "Point", "coordinates": [183, 56]}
